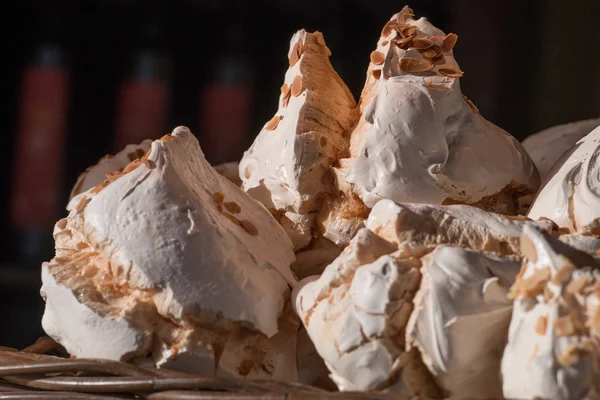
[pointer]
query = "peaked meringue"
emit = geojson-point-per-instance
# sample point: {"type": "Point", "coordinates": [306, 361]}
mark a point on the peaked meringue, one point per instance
{"type": "Point", "coordinates": [553, 349]}
{"type": "Point", "coordinates": [546, 147]}
{"type": "Point", "coordinates": [419, 140]}
{"type": "Point", "coordinates": [169, 258]}
{"type": "Point", "coordinates": [571, 193]}
{"type": "Point", "coordinates": [287, 166]}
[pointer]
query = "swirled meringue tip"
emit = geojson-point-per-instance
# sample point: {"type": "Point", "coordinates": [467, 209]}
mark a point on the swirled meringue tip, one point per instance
{"type": "Point", "coordinates": [460, 319]}
{"type": "Point", "coordinates": [168, 259]}
{"type": "Point", "coordinates": [462, 225]}
{"type": "Point", "coordinates": [287, 166]}
{"type": "Point", "coordinates": [571, 193]}
{"type": "Point", "coordinates": [546, 147]}
{"type": "Point", "coordinates": [95, 174]}
{"type": "Point", "coordinates": [418, 139]}
{"type": "Point", "coordinates": [553, 350]}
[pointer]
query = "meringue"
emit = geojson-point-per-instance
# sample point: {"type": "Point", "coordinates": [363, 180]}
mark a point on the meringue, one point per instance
{"type": "Point", "coordinates": [553, 349]}
{"type": "Point", "coordinates": [461, 317]}
{"type": "Point", "coordinates": [287, 166]}
{"type": "Point", "coordinates": [355, 314]}
{"type": "Point", "coordinates": [169, 259]}
{"type": "Point", "coordinates": [546, 147]}
{"type": "Point", "coordinates": [419, 140]}
{"type": "Point", "coordinates": [462, 225]}
{"type": "Point", "coordinates": [571, 193]}
{"type": "Point", "coordinates": [230, 170]}
{"type": "Point", "coordinates": [95, 174]}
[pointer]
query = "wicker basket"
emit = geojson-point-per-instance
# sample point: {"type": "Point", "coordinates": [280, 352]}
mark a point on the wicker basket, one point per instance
{"type": "Point", "coordinates": [45, 371]}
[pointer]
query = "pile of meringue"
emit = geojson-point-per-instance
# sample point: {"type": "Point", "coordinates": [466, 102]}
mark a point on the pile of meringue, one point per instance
{"type": "Point", "coordinates": [434, 260]}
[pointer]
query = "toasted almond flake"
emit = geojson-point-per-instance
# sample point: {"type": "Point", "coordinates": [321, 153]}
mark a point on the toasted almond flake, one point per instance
{"type": "Point", "coordinates": [407, 30]}
{"type": "Point", "coordinates": [451, 72]}
{"type": "Point", "coordinates": [568, 357]}
{"type": "Point", "coordinates": [165, 137]}
{"type": "Point", "coordinates": [403, 43]}
{"type": "Point", "coordinates": [449, 41]}
{"type": "Point", "coordinates": [527, 248]}
{"type": "Point", "coordinates": [541, 325]}
{"type": "Point", "coordinates": [272, 124]}
{"type": "Point", "coordinates": [576, 285]}
{"type": "Point", "coordinates": [564, 326]}
{"type": "Point", "coordinates": [233, 207]}
{"type": "Point", "coordinates": [439, 59]}
{"type": "Point", "coordinates": [429, 53]}
{"type": "Point", "coordinates": [218, 197]}
{"type": "Point", "coordinates": [297, 51]}
{"type": "Point", "coordinates": [421, 44]}
{"type": "Point", "coordinates": [377, 57]}
{"type": "Point", "coordinates": [249, 227]}
{"type": "Point", "coordinates": [149, 164]}
{"type": "Point", "coordinates": [296, 88]}
{"type": "Point", "coordinates": [131, 166]}
{"type": "Point", "coordinates": [564, 273]}
{"type": "Point", "coordinates": [82, 203]}
{"type": "Point", "coordinates": [231, 217]}
{"type": "Point", "coordinates": [388, 28]}
{"type": "Point", "coordinates": [385, 42]}
{"type": "Point", "coordinates": [531, 286]}
{"type": "Point", "coordinates": [284, 88]}
{"type": "Point", "coordinates": [533, 354]}
{"type": "Point", "coordinates": [436, 38]}
{"type": "Point", "coordinates": [548, 295]}
{"type": "Point", "coordinates": [376, 73]}
{"type": "Point", "coordinates": [415, 65]}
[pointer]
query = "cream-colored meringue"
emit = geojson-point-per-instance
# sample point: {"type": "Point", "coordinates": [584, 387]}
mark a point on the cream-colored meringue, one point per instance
{"type": "Point", "coordinates": [288, 165]}
{"type": "Point", "coordinates": [546, 147]}
{"type": "Point", "coordinates": [571, 193]}
{"type": "Point", "coordinates": [553, 350]}
{"type": "Point", "coordinates": [461, 317]}
{"type": "Point", "coordinates": [418, 140]}
{"type": "Point", "coordinates": [457, 224]}
{"type": "Point", "coordinates": [313, 259]}
{"type": "Point", "coordinates": [171, 258]}
{"type": "Point", "coordinates": [355, 313]}
{"type": "Point", "coordinates": [585, 243]}
{"type": "Point", "coordinates": [109, 163]}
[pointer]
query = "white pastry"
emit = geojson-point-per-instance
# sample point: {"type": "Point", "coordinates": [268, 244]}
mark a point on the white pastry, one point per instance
{"type": "Point", "coordinates": [419, 140]}
{"type": "Point", "coordinates": [168, 257]}
{"type": "Point", "coordinates": [288, 165]}
{"type": "Point", "coordinates": [461, 317]}
{"type": "Point", "coordinates": [457, 224]}
{"type": "Point", "coordinates": [109, 163]}
{"type": "Point", "coordinates": [553, 349]}
{"type": "Point", "coordinates": [571, 193]}
{"type": "Point", "coordinates": [546, 147]}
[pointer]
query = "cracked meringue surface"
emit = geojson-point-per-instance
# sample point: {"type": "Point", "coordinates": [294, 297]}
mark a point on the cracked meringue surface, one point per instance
{"type": "Point", "coordinates": [553, 349]}
{"type": "Point", "coordinates": [546, 147]}
{"type": "Point", "coordinates": [571, 192]}
{"type": "Point", "coordinates": [168, 258]}
{"type": "Point", "coordinates": [419, 139]}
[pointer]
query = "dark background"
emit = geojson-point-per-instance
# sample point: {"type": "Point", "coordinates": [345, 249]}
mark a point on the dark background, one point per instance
{"type": "Point", "coordinates": [528, 65]}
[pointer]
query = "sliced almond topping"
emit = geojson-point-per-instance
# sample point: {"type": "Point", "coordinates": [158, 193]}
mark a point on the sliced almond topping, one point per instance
{"type": "Point", "coordinates": [149, 164]}
{"type": "Point", "coordinates": [449, 41]}
{"type": "Point", "coordinates": [388, 28]}
{"type": "Point", "coordinates": [272, 124]}
{"type": "Point", "coordinates": [439, 59]}
{"type": "Point", "coordinates": [385, 42]}
{"type": "Point", "coordinates": [564, 326]}
{"type": "Point", "coordinates": [166, 137]}
{"type": "Point", "coordinates": [82, 203]}
{"type": "Point", "coordinates": [429, 53]}
{"type": "Point", "coordinates": [547, 294]}
{"type": "Point", "coordinates": [564, 273]}
{"type": "Point", "coordinates": [421, 44]}
{"type": "Point", "coordinates": [296, 88]}
{"type": "Point", "coordinates": [541, 325]}
{"type": "Point", "coordinates": [376, 73]}
{"type": "Point", "coordinates": [231, 217]}
{"type": "Point", "coordinates": [232, 206]}
{"type": "Point", "coordinates": [415, 65]}
{"type": "Point", "coordinates": [377, 57]}
{"type": "Point", "coordinates": [533, 285]}
{"type": "Point", "coordinates": [406, 30]}
{"type": "Point", "coordinates": [297, 51]}
{"type": "Point", "coordinates": [403, 43]}
{"type": "Point", "coordinates": [576, 285]}
{"type": "Point", "coordinates": [568, 357]}
{"type": "Point", "coordinates": [451, 72]}
{"type": "Point", "coordinates": [131, 166]}
{"type": "Point", "coordinates": [436, 38]}
{"type": "Point", "coordinates": [527, 247]}
{"type": "Point", "coordinates": [284, 88]}
{"type": "Point", "coordinates": [249, 227]}
{"type": "Point", "coordinates": [219, 197]}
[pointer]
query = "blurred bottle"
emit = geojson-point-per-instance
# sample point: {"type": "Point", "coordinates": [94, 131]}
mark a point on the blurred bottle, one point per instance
{"type": "Point", "coordinates": [39, 156]}
{"type": "Point", "coordinates": [144, 94]}
{"type": "Point", "coordinates": [225, 102]}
